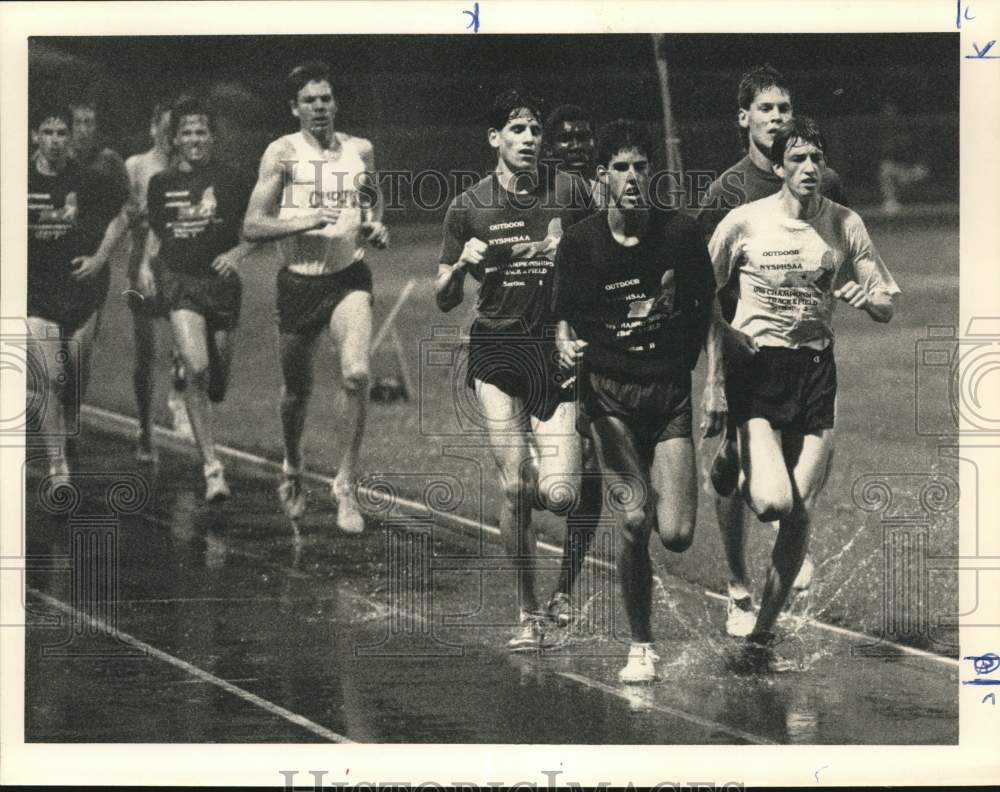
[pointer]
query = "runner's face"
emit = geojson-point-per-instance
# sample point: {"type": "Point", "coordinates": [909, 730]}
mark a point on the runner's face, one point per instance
{"type": "Point", "coordinates": [315, 108]}
{"type": "Point", "coordinates": [627, 179]}
{"type": "Point", "coordinates": [52, 139]}
{"type": "Point", "coordinates": [802, 170]}
{"type": "Point", "coordinates": [573, 145]}
{"type": "Point", "coordinates": [193, 139]}
{"type": "Point", "coordinates": [519, 142]}
{"type": "Point", "coordinates": [84, 128]}
{"type": "Point", "coordinates": [769, 109]}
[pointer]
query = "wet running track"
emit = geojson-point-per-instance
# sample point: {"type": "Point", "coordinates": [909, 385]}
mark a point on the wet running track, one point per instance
{"type": "Point", "coordinates": [153, 617]}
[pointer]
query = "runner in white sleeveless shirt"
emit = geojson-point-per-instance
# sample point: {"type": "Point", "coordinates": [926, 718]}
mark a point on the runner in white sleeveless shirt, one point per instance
{"type": "Point", "coordinates": [317, 198]}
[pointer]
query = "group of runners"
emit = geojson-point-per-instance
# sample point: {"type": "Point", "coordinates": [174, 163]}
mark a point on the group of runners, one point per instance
{"type": "Point", "coordinates": [594, 304]}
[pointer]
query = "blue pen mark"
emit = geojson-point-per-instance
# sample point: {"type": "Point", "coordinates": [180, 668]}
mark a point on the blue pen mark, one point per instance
{"type": "Point", "coordinates": [474, 18]}
{"type": "Point", "coordinates": [958, 13]}
{"type": "Point", "coordinates": [992, 697]}
{"type": "Point", "coordinates": [981, 53]}
{"type": "Point", "coordinates": [984, 664]}
{"type": "Point", "coordinates": [981, 681]}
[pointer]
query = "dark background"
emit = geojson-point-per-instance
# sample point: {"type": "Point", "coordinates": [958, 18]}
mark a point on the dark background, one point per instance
{"type": "Point", "coordinates": [423, 99]}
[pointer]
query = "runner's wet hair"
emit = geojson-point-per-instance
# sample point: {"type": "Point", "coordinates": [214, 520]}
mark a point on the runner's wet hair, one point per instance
{"type": "Point", "coordinates": [189, 106]}
{"type": "Point", "coordinates": [566, 112]}
{"type": "Point", "coordinates": [800, 128]}
{"type": "Point", "coordinates": [43, 111]}
{"type": "Point", "coordinates": [509, 102]}
{"type": "Point", "coordinates": [622, 134]}
{"type": "Point", "coordinates": [303, 74]}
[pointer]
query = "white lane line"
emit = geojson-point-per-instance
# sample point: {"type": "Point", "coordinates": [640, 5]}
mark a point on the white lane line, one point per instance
{"type": "Point", "coordinates": [705, 722]}
{"type": "Point", "coordinates": [193, 670]}
{"type": "Point", "coordinates": [122, 423]}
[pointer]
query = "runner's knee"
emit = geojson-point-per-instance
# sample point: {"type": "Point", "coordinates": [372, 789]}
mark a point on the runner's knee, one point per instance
{"type": "Point", "coordinates": [634, 526]}
{"type": "Point", "coordinates": [676, 535]}
{"type": "Point", "coordinates": [770, 501]}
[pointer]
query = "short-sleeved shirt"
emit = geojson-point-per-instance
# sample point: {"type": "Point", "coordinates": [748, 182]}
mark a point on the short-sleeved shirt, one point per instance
{"type": "Point", "coordinates": [643, 310]}
{"type": "Point", "coordinates": [789, 268]}
{"type": "Point", "coordinates": [196, 214]}
{"type": "Point", "coordinates": [522, 232]}
{"type": "Point", "coordinates": [745, 182]}
{"type": "Point", "coordinates": [66, 218]}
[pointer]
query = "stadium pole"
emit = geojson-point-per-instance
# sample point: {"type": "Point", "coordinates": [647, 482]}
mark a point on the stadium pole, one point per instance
{"type": "Point", "coordinates": [673, 142]}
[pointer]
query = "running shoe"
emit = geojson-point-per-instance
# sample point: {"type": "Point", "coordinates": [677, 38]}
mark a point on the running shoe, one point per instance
{"type": "Point", "coordinates": [349, 519]}
{"type": "Point", "coordinates": [292, 496]}
{"type": "Point", "coordinates": [740, 616]}
{"type": "Point", "coordinates": [145, 451]}
{"type": "Point", "coordinates": [559, 609]}
{"type": "Point", "coordinates": [641, 665]}
{"type": "Point", "coordinates": [530, 636]}
{"type": "Point", "coordinates": [725, 472]}
{"type": "Point", "coordinates": [804, 579]}
{"type": "Point", "coordinates": [757, 653]}
{"type": "Point", "coordinates": [216, 488]}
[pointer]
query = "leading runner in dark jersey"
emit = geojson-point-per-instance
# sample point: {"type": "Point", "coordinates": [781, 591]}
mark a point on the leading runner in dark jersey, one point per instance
{"type": "Point", "coordinates": [504, 232]}
{"type": "Point", "coordinates": [635, 293]}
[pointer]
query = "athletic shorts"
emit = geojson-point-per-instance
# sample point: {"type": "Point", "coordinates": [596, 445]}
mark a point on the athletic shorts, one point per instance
{"type": "Point", "coordinates": [65, 301]}
{"type": "Point", "coordinates": [794, 389]}
{"type": "Point", "coordinates": [154, 307]}
{"type": "Point", "coordinates": [655, 411]}
{"type": "Point", "coordinates": [305, 303]}
{"type": "Point", "coordinates": [215, 297]}
{"type": "Point", "coordinates": [523, 368]}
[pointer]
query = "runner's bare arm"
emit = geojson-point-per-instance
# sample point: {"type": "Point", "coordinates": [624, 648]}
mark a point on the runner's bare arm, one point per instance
{"type": "Point", "coordinates": [714, 405]}
{"type": "Point", "coordinates": [262, 222]}
{"type": "Point", "coordinates": [374, 230]}
{"type": "Point", "coordinates": [449, 286]}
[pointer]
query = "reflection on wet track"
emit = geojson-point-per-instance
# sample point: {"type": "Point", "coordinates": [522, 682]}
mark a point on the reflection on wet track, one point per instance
{"type": "Point", "coordinates": [236, 626]}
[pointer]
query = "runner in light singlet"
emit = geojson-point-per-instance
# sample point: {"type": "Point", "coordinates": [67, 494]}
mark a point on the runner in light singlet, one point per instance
{"type": "Point", "coordinates": [316, 196]}
{"type": "Point", "coordinates": [795, 254]}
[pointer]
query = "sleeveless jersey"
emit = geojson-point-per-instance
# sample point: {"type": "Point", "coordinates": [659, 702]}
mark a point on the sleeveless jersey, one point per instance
{"type": "Point", "coordinates": [317, 178]}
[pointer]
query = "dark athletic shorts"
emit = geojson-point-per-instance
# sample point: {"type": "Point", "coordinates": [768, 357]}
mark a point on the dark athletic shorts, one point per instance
{"type": "Point", "coordinates": [306, 302]}
{"type": "Point", "coordinates": [655, 411]}
{"type": "Point", "coordinates": [67, 302]}
{"type": "Point", "coordinates": [794, 389]}
{"type": "Point", "coordinates": [215, 297]}
{"type": "Point", "coordinates": [524, 368]}
{"type": "Point", "coordinates": [154, 307]}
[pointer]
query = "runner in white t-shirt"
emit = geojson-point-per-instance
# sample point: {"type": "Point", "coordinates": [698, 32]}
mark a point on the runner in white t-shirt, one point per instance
{"type": "Point", "coordinates": [796, 253]}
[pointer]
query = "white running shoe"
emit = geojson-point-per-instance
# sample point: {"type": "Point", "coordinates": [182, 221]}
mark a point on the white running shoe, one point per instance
{"type": "Point", "coordinates": [216, 488]}
{"type": "Point", "coordinates": [292, 496]}
{"type": "Point", "coordinates": [179, 413]}
{"type": "Point", "coordinates": [530, 636]}
{"type": "Point", "coordinates": [804, 579]}
{"type": "Point", "coordinates": [740, 616]}
{"type": "Point", "coordinates": [349, 519]}
{"type": "Point", "coordinates": [641, 665]}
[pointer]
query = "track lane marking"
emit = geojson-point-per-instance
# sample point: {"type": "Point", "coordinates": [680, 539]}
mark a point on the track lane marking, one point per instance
{"type": "Point", "coordinates": [193, 670]}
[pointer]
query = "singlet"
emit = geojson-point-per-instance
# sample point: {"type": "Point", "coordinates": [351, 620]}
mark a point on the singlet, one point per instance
{"type": "Point", "coordinates": [317, 178]}
{"type": "Point", "coordinates": [788, 269]}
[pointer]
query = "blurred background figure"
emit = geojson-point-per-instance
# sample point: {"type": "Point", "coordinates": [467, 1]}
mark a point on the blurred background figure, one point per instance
{"type": "Point", "coordinates": [898, 168]}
